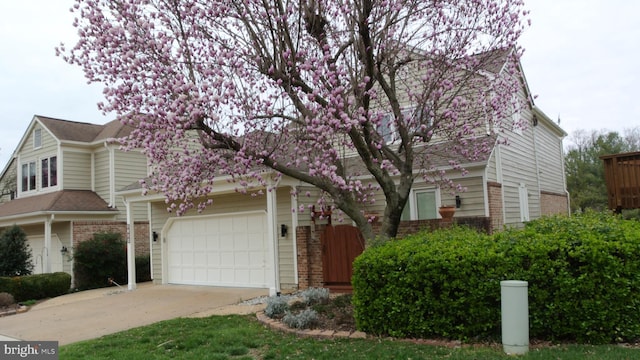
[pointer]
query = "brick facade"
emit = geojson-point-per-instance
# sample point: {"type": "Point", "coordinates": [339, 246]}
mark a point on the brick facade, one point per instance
{"type": "Point", "coordinates": [553, 203]}
{"type": "Point", "coordinates": [310, 272]}
{"type": "Point", "coordinates": [309, 256]}
{"type": "Point", "coordinates": [84, 230]}
{"type": "Point", "coordinates": [496, 214]}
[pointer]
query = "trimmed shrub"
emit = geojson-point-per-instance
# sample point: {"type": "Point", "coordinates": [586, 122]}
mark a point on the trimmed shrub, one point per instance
{"type": "Point", "coordinates": [15, 253]}
{"type": "Point", "coordinates": [143, 268]}
{"type": "Point", "coordinates": [430, 284]}
{"type": "Point", "coordinates": [583, 274]}
{"type": "Point", "coordinates": [36, 287]}
{"type": "Point", "coordinates": [99, 259]}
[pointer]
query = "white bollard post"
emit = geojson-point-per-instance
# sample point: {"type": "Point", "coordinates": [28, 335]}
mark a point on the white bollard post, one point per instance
{"type": "Point", "coordinates": [515, 316]}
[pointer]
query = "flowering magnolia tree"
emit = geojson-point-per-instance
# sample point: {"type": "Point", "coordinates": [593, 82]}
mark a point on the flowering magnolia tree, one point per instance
{"type": "Point", "coordinates": [350, 96]}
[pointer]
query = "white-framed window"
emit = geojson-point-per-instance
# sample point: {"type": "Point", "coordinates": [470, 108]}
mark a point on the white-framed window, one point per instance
{"type": "Point", "coordinates": [49, 172]}
{"type": "Point", "coordinates": [516, 114]}
{"type": "Point", "coordinates": [28, 176]}
{"type": "Point", "coordinates": [523, 195]}
{"type": "Point", "coordinates": [422, 205]}
{"type": "Point", "coordinates": [414, 118]}
{"type": "Point", "coordinates": [37, 138]}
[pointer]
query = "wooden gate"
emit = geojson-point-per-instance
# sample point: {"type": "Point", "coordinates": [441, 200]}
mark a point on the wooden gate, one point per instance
{"type": "Point", "coordinates": [341, 244]}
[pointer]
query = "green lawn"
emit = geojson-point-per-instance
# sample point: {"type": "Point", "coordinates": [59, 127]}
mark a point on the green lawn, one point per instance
{"type": "Point", "coordinates": [243, 337]}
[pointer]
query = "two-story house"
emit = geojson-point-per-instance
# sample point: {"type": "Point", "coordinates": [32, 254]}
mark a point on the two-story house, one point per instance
{"type": "Point", "coordinates": [60, 188]}
{"type": "Point", "coordinates": [266, 241]}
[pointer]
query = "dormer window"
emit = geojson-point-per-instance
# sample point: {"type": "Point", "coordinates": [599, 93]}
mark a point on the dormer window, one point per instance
{"type": "Point", "coordinates": [37, 138]}
{"type": "Point", "coordinates": [49, 172]}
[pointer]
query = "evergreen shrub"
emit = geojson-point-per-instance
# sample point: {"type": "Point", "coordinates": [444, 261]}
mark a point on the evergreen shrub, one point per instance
{"type": "Point", "coordinates": [36, 287]}
{"type": "Point", "coordinates": [99, 259]}
{"type": "Point", "coordinates": [583, 274]}
{"type": "Point", "coordinates": [15, 253]}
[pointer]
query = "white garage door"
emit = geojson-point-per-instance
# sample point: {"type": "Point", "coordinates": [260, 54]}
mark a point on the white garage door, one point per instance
{"type": "Point", "coordinates": [227, 250]}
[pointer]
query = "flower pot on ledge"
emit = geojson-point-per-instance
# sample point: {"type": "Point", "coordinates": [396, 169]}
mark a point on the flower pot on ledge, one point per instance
{"type": "Point", "coordinates": [447, 212]}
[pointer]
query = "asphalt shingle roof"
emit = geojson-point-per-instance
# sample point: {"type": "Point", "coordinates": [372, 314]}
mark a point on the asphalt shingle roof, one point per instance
{"type": "Point", "coordinates": [59, 201]}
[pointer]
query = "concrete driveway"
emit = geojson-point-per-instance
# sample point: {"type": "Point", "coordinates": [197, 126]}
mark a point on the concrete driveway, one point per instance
{"type": "Point", "coordinates": [94, 313]}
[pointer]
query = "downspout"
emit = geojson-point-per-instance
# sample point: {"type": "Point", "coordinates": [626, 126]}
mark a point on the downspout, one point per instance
{"type": "Point", "coordinates": [112, 175]}
{"type": "Point", "coordinates": [535, 158]}
{"type": "Point", "coordinates": [294, 235]}
{"type": "Point", "coordinates": [564, 178]}
{"type": "Point", "coordinates": [149, 220]}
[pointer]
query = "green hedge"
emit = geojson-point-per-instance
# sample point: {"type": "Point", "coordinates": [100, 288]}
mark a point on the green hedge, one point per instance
{"type": "Point", "coordinates": [99, 259]}
{"type": "Point", "coordinates": [583, 274]}
{"type": "Point", "coordinates": [36, 287]}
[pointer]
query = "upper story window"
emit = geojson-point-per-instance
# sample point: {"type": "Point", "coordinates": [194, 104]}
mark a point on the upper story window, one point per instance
{"type": "Point", "coordinates": [414, 118]}
{"type": "Point", "coordinates": [49, 172]}
{"type": "Point", "coordinates": [37, 138]}
{"type": "Point", "coordinates": [28, 176]}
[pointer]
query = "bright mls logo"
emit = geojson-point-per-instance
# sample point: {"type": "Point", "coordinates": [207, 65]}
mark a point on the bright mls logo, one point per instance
{"type": "Point", "coordinates": [29, 350]}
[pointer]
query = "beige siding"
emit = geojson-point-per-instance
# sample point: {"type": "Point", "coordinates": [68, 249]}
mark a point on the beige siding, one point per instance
{"type": "Point", "coordinates": [8, 183]}
{"type": "Point", "coordinates": [129, 167]}
{"type": "Point", "coordinates": [472, 200]}
{"type": "Point", "coordinates": [101, 173]}
{"type": "Point", "coordinates": [519, 166]}
{"type": "Point", "coordinates": [492, 172]}
{"type": "Point", "coordinates": [76, 167]}
{"type": "Point", "coordinates": [63, 230]}
{"type": "Point", "coordinates": [285, 244]}
{"type": "Point", "coordinates": [549, 153]}
{"type": "Point", "coordinates": [231, 203]}
{"type": "Point", "coordinates": [28, 154]}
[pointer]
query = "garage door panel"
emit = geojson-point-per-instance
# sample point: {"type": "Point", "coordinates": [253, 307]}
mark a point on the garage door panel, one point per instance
{"type": "Point", "coordinates": [225, 250]}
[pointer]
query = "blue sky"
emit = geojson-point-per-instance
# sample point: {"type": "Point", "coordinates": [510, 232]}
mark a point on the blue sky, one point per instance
{"type": "Point", "coordinates": [581, 61]}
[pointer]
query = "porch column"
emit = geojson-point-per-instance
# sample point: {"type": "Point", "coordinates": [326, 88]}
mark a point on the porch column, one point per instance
{"type": "Point", "coordinates": [46, 257]}
{"type": "Point", "coordinates": [131, 248]}
{"type": "Point", "coordinates": [272, 238]}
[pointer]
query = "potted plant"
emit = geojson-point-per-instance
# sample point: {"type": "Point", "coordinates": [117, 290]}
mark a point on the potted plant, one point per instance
{"type": "Point", "coordinates": [447, 211]}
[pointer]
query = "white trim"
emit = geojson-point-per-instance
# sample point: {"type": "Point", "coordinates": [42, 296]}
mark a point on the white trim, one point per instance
{"type": "Point", "coordinates": [523, 195]}
{"type": "Point", "coordinates": [131, 248]}
{"type": "Point", "coordinates": [272, 239]}
{"type": "Point", "coordinates": [150, 222]}
{"type": "Point", "coordinates": [413, 201]}
{"type": "Point", "coordinates": [294, 236]}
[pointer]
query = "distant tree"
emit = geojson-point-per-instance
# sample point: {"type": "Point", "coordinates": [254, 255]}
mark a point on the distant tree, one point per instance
{"type": "Point", "coordinates": [584, 169]}
{"type": "Point", "coordinates": [326, 92]}
{"type": "Point", "coordinates": [15, 253]}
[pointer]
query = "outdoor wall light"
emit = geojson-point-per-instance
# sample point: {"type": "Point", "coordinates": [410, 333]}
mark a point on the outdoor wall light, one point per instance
{"type": "Point", "coordinates": [458, 201]}
{"type": "Point", "coordinates": [283, 230]}
{"type": "Point", "coordinates": [155, 236]}
{"type": "Point", "coordinates": [64, 250]}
